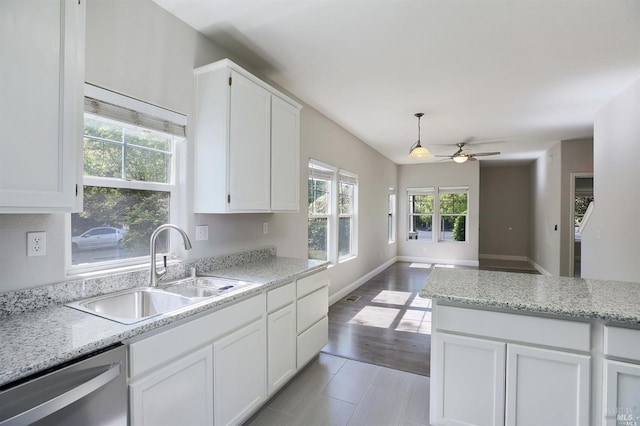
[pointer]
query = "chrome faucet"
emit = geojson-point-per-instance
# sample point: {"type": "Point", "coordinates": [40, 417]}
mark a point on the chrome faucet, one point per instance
{"type": "Point", "coordinates": [156, 275]}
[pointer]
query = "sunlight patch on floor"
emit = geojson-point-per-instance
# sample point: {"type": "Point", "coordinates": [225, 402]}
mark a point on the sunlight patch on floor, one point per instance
{"type": "Point", "coordinates": [373, 316]}
{"type": "Point", "coordinates": [392, 297]}
{"type": "Point", "coordinates": [420, 265]}
{"type": "Point", "coordinates": [415, 322]}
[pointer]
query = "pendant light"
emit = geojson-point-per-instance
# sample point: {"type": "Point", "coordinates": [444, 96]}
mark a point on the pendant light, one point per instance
{"type": "Point", "coordinates": [417, 150]}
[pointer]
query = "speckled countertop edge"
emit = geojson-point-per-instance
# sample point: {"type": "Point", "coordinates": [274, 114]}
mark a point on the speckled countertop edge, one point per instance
{"type": "Point", "coordinates": [611, 301]}
{"type": "Point", "coordinates": [34, 341]}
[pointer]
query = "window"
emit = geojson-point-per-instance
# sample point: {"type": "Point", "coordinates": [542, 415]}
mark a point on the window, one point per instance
{"type": "Point", "coordinates": [128, 180]}
{"type": "Point", "coordinates": [347, 187]}
{"type": "Point", "coordinates": [453, 214]}
{"type": "Point", "coordinates": [438, 211]}
{"type": "Point", "coordinates": [391, 218]}
{"type": "Point", "coordinates": [321, 180]}
{"type": "Point", "coordinates": [421, 209]}
{"type": "Point", "coordinates": [333, 211]}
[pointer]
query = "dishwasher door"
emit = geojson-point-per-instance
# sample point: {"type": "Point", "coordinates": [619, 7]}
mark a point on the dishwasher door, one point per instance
{"type": "Point", "coordinates": [91, 391]}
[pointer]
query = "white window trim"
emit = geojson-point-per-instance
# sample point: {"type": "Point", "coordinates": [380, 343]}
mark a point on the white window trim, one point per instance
{"type": "Point", "coordinates": [452, 190]}
{"type": "Point", "coordinates": [171, 187]}
{"type": "Point", "coordinates": [332, 232]}
{"type": "Point", "coordinates": [427, 190]}
{"type": "Point", "coordinates": [392, 201]}
{"type": "Point", "coordinates": [354, 217]}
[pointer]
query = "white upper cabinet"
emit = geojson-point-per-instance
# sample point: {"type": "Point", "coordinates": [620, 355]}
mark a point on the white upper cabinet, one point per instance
{"type": "Point", "coordinates": [285, 155]}
{"type": "Point", "coordinates": [246, 143]}
{"type": "Point", "coordinates": [41, 98]}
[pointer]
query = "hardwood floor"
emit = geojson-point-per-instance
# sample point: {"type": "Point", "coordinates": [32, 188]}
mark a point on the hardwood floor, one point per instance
{"type": "Point", "coordinates": [335, 391]}
{"type": "Point", "coordinates": [389, 324]}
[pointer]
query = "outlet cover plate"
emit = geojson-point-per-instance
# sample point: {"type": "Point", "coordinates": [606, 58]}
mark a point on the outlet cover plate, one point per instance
{"type": "Point", "coordinates": [202, 232]}
{"type": "Point", "coordinates": [36, 243]}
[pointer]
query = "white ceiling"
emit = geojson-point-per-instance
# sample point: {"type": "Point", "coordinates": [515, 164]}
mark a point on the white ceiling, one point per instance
{"type": "Point", "coordinates": [525, 73]}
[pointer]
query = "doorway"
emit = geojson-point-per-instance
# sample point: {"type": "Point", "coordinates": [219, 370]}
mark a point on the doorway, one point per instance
{"type": "Point", "coordinates": [581, 196]}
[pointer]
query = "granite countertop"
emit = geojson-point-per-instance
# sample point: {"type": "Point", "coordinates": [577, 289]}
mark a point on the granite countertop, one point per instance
{"type": "Point", "coordinates": [34, 341]}
{"type": "Point", "coordinates": [614, 301]}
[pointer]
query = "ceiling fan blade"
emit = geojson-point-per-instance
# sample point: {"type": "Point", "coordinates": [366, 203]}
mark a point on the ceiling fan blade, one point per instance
{"type": "Point", "coordinates": [448, 156]}
{"type": "Point", "coordinates": [472, 159]}
{"type": "Point", "coordinates": [483, 154]}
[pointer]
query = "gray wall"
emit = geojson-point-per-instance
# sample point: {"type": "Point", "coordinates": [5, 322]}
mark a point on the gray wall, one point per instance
{"type": "Point", "coordinates": [434, 175]}
{"type": "Point", "coordinates": [504, 211]}
{"type": "Point", "coordinates": [544, 210]}
{"type": "Point", "coordinates": [138, 49]}
{"type": "Point", "coordinates": [611, 239]}
{"type": "Point", "coordinates": [577, 157]}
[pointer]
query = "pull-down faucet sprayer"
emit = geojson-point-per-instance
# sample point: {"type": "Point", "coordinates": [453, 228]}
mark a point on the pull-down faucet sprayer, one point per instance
{"type": "Point", "coordinates": [156, 275]}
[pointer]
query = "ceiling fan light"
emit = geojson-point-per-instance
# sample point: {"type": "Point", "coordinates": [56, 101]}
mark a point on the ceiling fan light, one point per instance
{"type": "Point", "coordinates": [460, 158]}
{"type": "Point", "coordinates": [420, 152]}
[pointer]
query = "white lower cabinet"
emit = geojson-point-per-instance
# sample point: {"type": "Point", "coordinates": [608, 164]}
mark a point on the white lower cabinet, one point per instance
{"type": "Point", "coordinates": [469, 386]}
{"type": "Point", "coordinates": [219, 367]}
{"type": "Point", "coordinates": [546, 387]}
{"type": "Point", "coordinates": [177, 393]}
{"type": "Point", "coordinates": [312, 327]}
{"type": "Point", "coordinates": [621, 393]}
{"type": "Point", "coordinates": [240, 373]}
{"type": "Point", "coordinates": [621, 386]}
{"type": "Point", "coordinates": [480, 377]}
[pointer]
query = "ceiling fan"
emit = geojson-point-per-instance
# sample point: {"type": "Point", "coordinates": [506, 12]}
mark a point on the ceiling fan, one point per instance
{"type": "Point", "coordinates": [462, 155]}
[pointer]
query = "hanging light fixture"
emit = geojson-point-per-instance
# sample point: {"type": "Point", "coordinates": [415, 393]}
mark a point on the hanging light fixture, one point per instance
{"type": "Point", "coordinates": [417, 150]}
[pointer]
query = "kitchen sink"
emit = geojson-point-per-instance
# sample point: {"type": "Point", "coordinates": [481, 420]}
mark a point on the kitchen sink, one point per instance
{"type": "Point", "coordinates": [130, 306]}
{"type": "Point", "coordinates": [205, 286]}
{"type": "Point", "coordinates": [137, 304]}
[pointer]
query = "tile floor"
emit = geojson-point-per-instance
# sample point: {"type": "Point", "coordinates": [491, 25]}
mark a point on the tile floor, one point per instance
{"type": "Point", "coordinates": [336, 391]}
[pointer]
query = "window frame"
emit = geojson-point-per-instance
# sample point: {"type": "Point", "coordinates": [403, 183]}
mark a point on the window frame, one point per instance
{"type": "Point", "coordinates": [452, 190]}
{"type": "Point", "coordinates": [171, 187]}
{"type": "Point", "coordinates": [348, 178]}
{"type": "Point", "coordinates": [436, 216]}
{"type": "Point", "coordinates": [391, 217]}
{"type": "Point", "coordinates": [327, 173]}
{"type": "Point", "coordinates": [411, 192]}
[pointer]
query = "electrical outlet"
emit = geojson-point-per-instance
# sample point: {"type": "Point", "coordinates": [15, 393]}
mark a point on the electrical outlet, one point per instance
{"type": "Point", "coordinates": [36, 243]}
{"type": "Point", "coordinates": [202, 232]}
{"type": "Point", "coordinates": [265, 228]}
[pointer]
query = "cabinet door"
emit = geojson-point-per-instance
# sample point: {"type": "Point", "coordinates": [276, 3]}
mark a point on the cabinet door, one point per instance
{"type": "Point", "coordinates": [546, 387]}
{"type": "Point", "coordinates": [41, 104]}
{"type": "Point", "coordinates": [240, 373]}
{"type": "Point", "coordinates": [281, 347]}
{"type": "Point", "coordinates": [285, 156]}
{"type": "Point", "coordinates": [249, 145]}
{"type": "Point", "coordinates": [467, 380]}
{"type": "Point", "coordinates": [178, 393]}
{"type": "Point", "coordinates": [621, 393]}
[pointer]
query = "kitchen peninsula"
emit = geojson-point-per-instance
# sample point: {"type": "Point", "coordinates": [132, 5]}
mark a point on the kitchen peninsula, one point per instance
{"type": "Point", "coordinates": [513, 348]}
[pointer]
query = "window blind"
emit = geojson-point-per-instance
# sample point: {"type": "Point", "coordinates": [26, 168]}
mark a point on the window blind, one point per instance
{"type": "Point", "coordinates": [348, 178]}
{"type": "Point", "coordinates": [126, 115]}
{"type": "Point", "coordinates": [317, 172]}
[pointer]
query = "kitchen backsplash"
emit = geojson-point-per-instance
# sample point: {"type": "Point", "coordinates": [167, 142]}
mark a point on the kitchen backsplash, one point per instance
{"type": "Point", "coordinates": [15, 302]}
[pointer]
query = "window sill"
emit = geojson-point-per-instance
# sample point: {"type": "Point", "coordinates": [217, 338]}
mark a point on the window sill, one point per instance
{"type": "Point", "coordinates": [346, 259]}
{"type": "Point", "coordinates": [97, 271]}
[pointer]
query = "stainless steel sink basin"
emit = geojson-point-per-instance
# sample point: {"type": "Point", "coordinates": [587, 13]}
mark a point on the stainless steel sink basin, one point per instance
{"type": "Point", "coordinates": [205, 287]}
{"type": "Point", "coordinates": [130, 306]}
{"type": "Point", "coordinates": [137, 304]}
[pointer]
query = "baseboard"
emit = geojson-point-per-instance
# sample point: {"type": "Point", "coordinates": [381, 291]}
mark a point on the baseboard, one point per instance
{"type": "Point", "coordinates": [504, 257]}
{"type": "Point", "coordinates": [539, 268]}
{"type": "Point", "coordinates": [354, 285]}
{"type": "Point", "coordinates": [459, 262]}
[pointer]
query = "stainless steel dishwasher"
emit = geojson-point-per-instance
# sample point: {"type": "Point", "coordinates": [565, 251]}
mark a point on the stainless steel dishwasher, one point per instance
{"type": "Point", "coordinates": [88, 391]}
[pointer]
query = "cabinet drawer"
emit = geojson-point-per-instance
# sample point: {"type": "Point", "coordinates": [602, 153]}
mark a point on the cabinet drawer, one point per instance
{"type": "Point", "coordinates": [162, 347]}
{"type": "Point", "coordinates": [558, 333]}
{"type": "Point", "coordinates": [279, 297]}
{"type": "Point", "coordinates": [311, 283]}
{"type": "Point", "coordinates": [311, 308]}
{"type": "Point", "coordinates": [622, 342]}
{"type": "Point", "coordinates": [311, 341]}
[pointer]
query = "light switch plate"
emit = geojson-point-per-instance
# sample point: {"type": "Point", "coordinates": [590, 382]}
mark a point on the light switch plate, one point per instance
{"type": "Point", "coordinates": [202, 232]}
